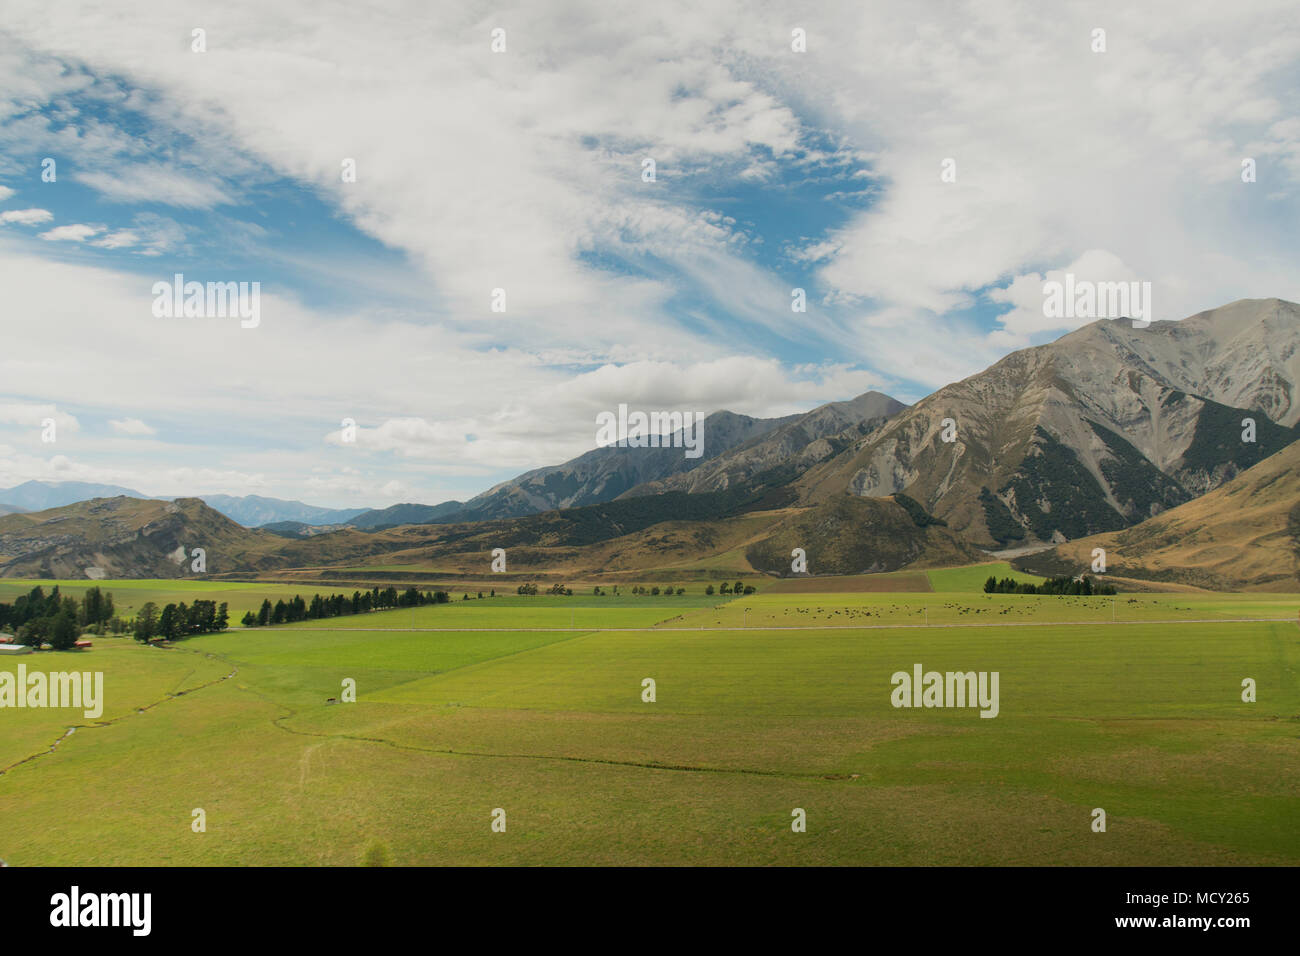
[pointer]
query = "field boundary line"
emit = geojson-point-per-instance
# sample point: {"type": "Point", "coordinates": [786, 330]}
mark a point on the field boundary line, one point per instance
{"type": "Point", "coordinates": [567, 758]}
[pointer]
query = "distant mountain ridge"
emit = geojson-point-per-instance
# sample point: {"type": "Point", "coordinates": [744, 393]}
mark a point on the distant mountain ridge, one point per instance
{"type": "Point", "coordinates": [39, 495]}
{"type": "Point", "coordinates": [253, 511]}
{"type": "Point", "coordinates": [408, 513]}
{"type": "Point", "coordinates": [604, 474]}
{"type": "Point", "coordinates": [796, 443]}
{"type": "Point", "coordinates": [737, 449]}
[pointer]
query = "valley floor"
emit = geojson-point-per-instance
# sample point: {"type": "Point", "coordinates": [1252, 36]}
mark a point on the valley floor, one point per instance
{"type": "Point", "coordinates": [763, 705]}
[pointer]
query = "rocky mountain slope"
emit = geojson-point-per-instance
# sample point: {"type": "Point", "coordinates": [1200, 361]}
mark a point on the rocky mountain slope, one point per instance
{"type": "Point", "coordinates": [796, 446]}
{"type": "Point", "coordinates": [1101, 429]}
{"type": "Point", "coordinates": [603, 474]}
{"type": "Point", "coordinates": [1243, 535]}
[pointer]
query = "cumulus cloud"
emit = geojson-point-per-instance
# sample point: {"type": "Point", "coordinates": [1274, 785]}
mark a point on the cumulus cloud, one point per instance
{"type": "Point", "coordinates": [1135, 152]}
{"type": "Point", "coordinates": [26, 217]}
{"type": "Point", "coordinates": [1025, 295]}
{"type": "Point", "coordinates": [77, 232]}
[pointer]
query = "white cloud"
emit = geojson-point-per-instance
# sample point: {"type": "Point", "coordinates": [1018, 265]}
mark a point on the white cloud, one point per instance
{"type": "Point", "coordinates": [1119, 151]}
{"type": "Point", "coordinates": [77, 232]}
{"type": "Point", "coordinates": [34, 415]}
{"type": "Point", "coordinates": [1025, 294]}
{"type": "Point", "coordinates": [554, 170]}
{"type": "Point", "coordinates": [5, 193]}
{"type": "Point", "coordinates": [1058, 150]}
{"type": "Point", "coordinates": [154, 183]}
{"type": "Point", "coordinates": [407, 386]}
{"type": "Point", "coordinates": [26, 217]}
{"type": "Point", "coordinates": [121, 239]}
{"type": "Point", "coordinates": [559, 421]}
{"type": "Point", "coordinates": [131, 426]}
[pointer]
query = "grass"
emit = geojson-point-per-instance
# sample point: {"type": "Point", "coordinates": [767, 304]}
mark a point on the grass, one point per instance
{"type": "Point", "coordinates": [1142, 719]}
{"type": "Point", "coordinates": [972, 577]}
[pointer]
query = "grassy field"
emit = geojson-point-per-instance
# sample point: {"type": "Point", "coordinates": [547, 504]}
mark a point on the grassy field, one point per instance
{"type": "Point", "coordinates": [972, 577]}
{"type": "Point", "coordinates": [534, 705]}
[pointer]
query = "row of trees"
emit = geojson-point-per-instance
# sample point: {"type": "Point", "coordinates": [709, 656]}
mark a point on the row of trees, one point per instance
{"type": "Point", "coordinates": [556, 589]}
{"type": "Point", "coordinates": [1083, 585]}
{"type": "Point", "coordinates": [37, 618]}
{"type": "Point", "coordinates": [180, 620]}
{"type": "Point", "coordinates": [337, 605]}
{"type": "Point", "coordinates": [740, 588]}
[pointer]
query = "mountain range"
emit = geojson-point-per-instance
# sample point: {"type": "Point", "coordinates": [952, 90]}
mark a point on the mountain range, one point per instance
{"type": "Point", "coordinates": [736, 448]}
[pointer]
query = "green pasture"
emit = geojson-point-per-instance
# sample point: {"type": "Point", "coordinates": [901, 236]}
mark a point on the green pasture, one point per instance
{"type": "Point", "coordinates": [1142, 719]}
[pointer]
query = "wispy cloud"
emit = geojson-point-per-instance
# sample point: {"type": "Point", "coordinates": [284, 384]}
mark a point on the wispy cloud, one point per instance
{"type": "Point", "coordinates": [131, 426]}
{"type": "Point", "coordinates": [155, 183]}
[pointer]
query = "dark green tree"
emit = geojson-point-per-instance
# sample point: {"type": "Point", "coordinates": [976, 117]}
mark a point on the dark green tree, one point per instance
{"type": "Point", "coordinates": [167, 622]}
{"type": "Point", "coordinates": [146, 622]}
{"type": "Point", "coordinates": [64, 632]}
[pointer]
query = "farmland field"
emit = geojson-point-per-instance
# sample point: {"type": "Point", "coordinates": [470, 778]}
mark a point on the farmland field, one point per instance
{"type": "Point", "coordinates": [763, 704]}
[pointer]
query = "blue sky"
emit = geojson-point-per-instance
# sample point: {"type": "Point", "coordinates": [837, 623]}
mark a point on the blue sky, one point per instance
{"type": "Point", "coordinates": [522, 170]}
